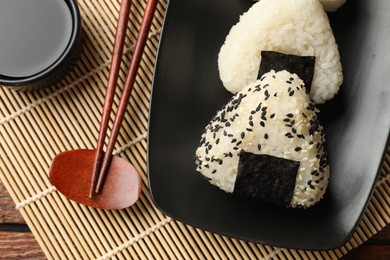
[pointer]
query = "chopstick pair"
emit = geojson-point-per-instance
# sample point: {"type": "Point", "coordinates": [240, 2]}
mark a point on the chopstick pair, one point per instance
{"type": "Point", "coordinates": [103, 160]}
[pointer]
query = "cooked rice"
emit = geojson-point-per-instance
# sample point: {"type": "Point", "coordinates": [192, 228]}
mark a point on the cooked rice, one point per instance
{"type": "Point", "coordinates": [284, 125]}
{"type": "Point", "coordinates": [299, 27]}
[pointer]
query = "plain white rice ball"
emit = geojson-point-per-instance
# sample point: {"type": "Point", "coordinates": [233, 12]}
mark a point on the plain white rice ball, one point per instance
{"type": "Point", "coordinates": [299, 27]}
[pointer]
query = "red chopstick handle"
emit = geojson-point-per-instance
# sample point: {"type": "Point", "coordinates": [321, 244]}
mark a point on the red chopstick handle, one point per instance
{"type": "Point", "coordinates": [130, 78]}
{"type": "Point", "coordinates": [117, 51]}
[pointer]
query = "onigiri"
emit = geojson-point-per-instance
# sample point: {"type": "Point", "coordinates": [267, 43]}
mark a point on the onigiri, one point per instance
{"type": "Point", "coordinates": [299, 27]}
{"type": "Point", "coordinates": [267, 144]}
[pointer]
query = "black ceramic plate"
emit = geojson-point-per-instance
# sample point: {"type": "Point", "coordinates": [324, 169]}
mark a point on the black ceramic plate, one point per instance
{"type": "Point", "coordinates": [187, 92]}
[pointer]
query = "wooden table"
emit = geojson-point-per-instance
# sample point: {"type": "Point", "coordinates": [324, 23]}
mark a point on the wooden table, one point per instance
{"type": "Point", "coordinates": [17, 242]}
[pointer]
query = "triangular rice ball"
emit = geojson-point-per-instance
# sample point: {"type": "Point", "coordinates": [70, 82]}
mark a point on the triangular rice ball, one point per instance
{"type": "Point", "coordinates": [266, 143]}
{"type": "Point", "coordinates": [299, 27]}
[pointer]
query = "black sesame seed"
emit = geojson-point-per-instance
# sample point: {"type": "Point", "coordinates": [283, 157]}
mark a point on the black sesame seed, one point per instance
{"type": "Point", "coordinates": [293, 130]}
{"type": "Point", "coordinates": [289, 89]}
{"type": "Point", "coordinates": [234, 140]}
{"type": "Point", "coordinates": [291, 78]}
{"type": "Point", "coordinates": [220, 162]}
{"type": "Point", "coordinates": [266, 136]}
{"type": "Point", "coordinates": [289, 135]}
{"type": "Point", "coordinates": [214, 171]}
{"type": "Point", "coordinates": [251, 123]}
{"type": "Point", "coordinates": [288, 82]}
{"type": "Point", "coordinates": [227, 124]}
{"type": "Point", "coordinates": [290, 115]}
{"type": "Point", "coordinates": [286, 120]}
{"type": "Point", "coordinates": [259, 147]}
{"type": "Point", "coordinates": [272, 115]}
{"type": "Point", "coordinates": [250, 117]}
{"type": "Point", "coordinates": [297, 149]}
{"type": "Point", "coordinates": [264, 108]}
{"type": "Point", "coordinates": [230, 135]}
{"type": "Point", "coordinates": [276, 94]}
{"type": "Point", "coordinates": [263, 118]}
{"type": "Point", "coordinates": [266, 85]}
{"type": "Point", "coordinates": [235, 148]}
{"type": "Point", "coordinates": [249, 129]}
{"type": "Point", "coordinates": [242, 135]}
{"type": "Point", "coordinates": [258, 108]}
{"type": "Point", "coordinates": [291, 93]}
{"type": "Point", "coordinates": [224, 133]}
{"type": "Point", "coordinates": [217, 141]}
{"type": "Point", "coordinates": [262, 123]}
{"type": "Point", "coordinates": [240, 142]}
{"type": "Point", "coordinates": [311, 107]}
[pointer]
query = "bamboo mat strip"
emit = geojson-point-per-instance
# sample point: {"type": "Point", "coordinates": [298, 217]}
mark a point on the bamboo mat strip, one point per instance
{"type": "Point", "coordinates": [36, 126]}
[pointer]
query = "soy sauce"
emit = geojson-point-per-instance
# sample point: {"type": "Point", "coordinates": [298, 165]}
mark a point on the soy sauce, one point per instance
{"type": "Point", "coordinates": [33, 35]}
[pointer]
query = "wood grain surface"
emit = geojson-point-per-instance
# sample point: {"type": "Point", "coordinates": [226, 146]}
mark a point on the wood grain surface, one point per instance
{"type": "Point", "coordinates": [8, 213]}
{"type": "Point", "coordinates": [15, 245]}
{"type": "Point", "coordinates": [22, 245]}
{"type": "Point", "coordinates": [19, 245]}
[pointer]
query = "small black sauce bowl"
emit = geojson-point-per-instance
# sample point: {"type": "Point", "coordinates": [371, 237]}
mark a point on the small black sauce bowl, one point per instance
{"type": "Point", "coordinates": [60, 67]}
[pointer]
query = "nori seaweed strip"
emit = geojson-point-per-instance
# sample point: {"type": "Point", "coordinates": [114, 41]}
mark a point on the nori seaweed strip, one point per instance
{"type": "Point", "coordinates": [303, 66]}
{"type": "Point", "coordinates": [266, 178]}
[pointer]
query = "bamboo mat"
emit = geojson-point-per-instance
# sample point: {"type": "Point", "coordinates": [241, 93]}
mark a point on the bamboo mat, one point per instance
{"type": "Point", "coordinates": [34, 127]}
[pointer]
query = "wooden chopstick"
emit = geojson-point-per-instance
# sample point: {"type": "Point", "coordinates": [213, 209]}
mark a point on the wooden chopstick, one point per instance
{"type": "Point", "coordinates": [116, 59]}
{"type": "Point", "coordinates": [130, 78]}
